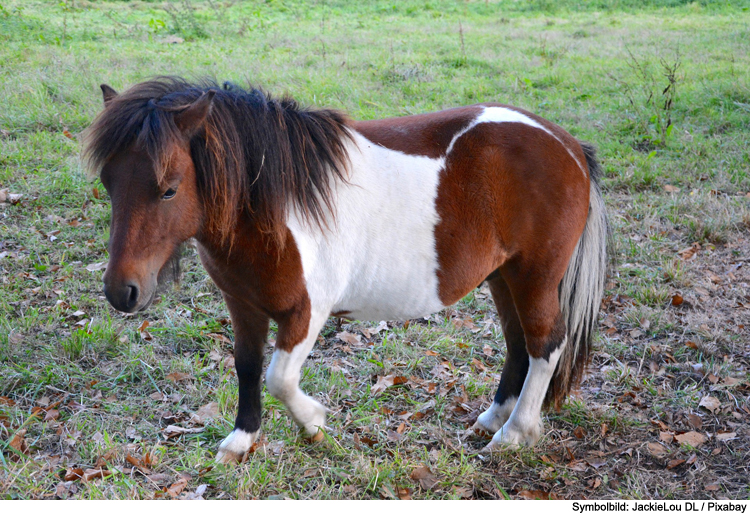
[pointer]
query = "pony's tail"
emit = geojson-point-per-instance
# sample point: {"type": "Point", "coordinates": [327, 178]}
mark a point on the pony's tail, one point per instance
{"type": "Point", "coordinates": [581, 290]}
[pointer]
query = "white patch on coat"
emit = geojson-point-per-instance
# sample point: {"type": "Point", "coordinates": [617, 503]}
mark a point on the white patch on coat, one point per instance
{"type": "Point", "coordinates": [493, 418]}
{"type": "Point", "coordinates": [283, 375]}
{"type": "Point", "coordinates": [524, 427]}
{"type": "Point", "coordinates": [378, 260]}
{"type": "Point", "coordinates": [234, 446]}
{"type": "Point", "coordinates": [499, 114]}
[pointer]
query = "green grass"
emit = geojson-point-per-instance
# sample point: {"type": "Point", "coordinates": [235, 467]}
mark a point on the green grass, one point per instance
{"type": "Point", "coordinates": [662, 89]}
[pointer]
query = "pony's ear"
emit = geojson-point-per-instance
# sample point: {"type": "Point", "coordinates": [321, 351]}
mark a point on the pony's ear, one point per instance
{"type": "Point", "coordinates": [190, 119]}
{"type": "Point", "coordinates": [108, 93]}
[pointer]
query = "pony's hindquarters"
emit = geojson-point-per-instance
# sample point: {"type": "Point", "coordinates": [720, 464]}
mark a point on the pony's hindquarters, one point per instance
{"type": "Point", "coordinates": [548, 304]}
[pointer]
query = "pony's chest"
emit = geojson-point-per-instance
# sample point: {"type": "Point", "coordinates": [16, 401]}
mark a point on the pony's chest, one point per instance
{"type": "Point", "coordinates": [378, 261]}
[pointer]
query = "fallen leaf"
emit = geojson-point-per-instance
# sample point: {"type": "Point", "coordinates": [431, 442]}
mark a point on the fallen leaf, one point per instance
{"type": "Point", "coordinates": [130, 432]}
{"type": "Point", "coordinates": [386, 493]}
{"type": "Point", "coordinates": [19, 443]}
{"type": "Point", "coordinates": [657, 449]}
{"type": "Point", "coordinates": [220, 337]}
{"type": "Point", "coordinates": [98, 266]}
{"type": "Point", "coordinates": [386, 381]}
{"type": "Point", "coordinates": [138, 464]}
{"type": "Point", "coordinates": [691, 438]}
{"type": "Point", "coordinates": [175, 430]}
{"type": "Point", "coordinates": [178, 376]}
{"type": "Point", "coordinates": [674, 463]}
{"type": "Point", "coordinates": [206, 413]}
{"type": "Point", "coordinates": [158, 478]}
{"type": "Point", "coordinates": [403, 493]}
{"type": "Point", "coordinates": [195, 495]}
{"type": "Point", "coordinates": [695, 421]}
{"type": "Point", "coordinates": [690, 252]}
{"type": "Point", "coordinates": [723, 437]}
{"type": "Point", "coordinates": [577, 465]}
{"type": "Point", "coordinates": [425, 477]}
{"type": "Point", "coordinates": [350, 338]}
{"type": "Point", "coordinates": [72, 474]}
{"type": "Point", "coordinates": [175, 489]}
{"type": "Point", "coordinates": [711, 403]}
{"type": "Point", "coordinates": [91, 474]}
{"type": "Point", "coordinates": [145, 334]}
{"type": "Point", "coordinates": [51, 415]}
{"type": "Point", "coordinates": [534, 495]}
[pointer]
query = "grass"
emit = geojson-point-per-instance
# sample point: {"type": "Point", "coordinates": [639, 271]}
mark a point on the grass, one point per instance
{"type": "Point", "coordinates": [659, 86]}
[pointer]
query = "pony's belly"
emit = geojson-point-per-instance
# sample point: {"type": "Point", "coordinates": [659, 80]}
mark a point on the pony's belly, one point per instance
{"type": "Point", "coordinates": [398, 302]}
{"type": "Point", "coordinates": [375, 313]}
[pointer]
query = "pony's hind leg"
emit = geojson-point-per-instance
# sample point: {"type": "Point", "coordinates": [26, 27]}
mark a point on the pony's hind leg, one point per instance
{"type": "Point", "coordinates": [250, 331]}
{"type": "Point", "coordinates": [283, 377]}
{"type": "Point", "coordinates": [516, 359]}
{"type": "Point", "coordinates": [536, 299]}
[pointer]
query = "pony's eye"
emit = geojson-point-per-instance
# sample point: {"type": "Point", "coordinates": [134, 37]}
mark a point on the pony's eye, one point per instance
{"type": "Point", "coordinates": [169, 194]}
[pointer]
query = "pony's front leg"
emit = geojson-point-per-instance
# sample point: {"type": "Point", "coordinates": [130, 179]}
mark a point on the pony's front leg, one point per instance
{"type": "Point", "coordinates": [283, 375]}
{"type": "Point", "coordinates": [250, 331]}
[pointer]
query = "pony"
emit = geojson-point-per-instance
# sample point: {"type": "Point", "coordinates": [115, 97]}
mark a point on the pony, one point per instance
{"type": "Point", "coordinates": [299, 214]}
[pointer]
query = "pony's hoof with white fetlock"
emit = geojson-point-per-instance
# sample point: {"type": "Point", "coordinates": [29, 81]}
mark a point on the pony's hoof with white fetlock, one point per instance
{"type": "Point", "coordinates": [509, 435]}
{"type": "Point", "coordinates": [234, 447]}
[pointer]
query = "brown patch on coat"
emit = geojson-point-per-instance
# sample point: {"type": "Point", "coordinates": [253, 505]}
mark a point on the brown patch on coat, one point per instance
{"type": "Point", "coordinates": [263, 275]}
{"type": "Point", "coordinates": [515, 192]}
{"type": "Point", "coordinates": [418, 135]}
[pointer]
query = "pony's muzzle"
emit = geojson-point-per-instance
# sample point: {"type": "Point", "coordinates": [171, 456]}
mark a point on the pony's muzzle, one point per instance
{"type": "Point", "coordinates": [124, 297]}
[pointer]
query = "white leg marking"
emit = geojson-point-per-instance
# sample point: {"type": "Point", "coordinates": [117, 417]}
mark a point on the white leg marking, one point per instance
{"type": "Point", "coordinates": [234, 446]}
{"type": "Point", "coordinates": [282, 380]}
{"type": "Point", "coordinates": [524, 427]}
{"type": "Point", "coordinates": [493, 418]}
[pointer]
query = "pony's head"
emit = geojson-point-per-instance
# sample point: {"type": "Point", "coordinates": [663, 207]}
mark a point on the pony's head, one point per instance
{"type": "Point", "coordinates": [183, 160]}
{"type": "Point", "coordinates": [141, 146]}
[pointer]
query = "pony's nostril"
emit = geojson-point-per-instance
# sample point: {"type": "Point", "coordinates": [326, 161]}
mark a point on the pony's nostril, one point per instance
{"type": "Point", "coordinates": [133, 296]}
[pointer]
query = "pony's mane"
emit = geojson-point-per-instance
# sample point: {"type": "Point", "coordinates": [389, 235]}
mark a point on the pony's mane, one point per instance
{"type": "Point", "coordinates": [254, 153]}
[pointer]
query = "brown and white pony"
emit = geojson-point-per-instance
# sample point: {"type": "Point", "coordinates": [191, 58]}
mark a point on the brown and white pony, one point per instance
{"type": "Point", "coordinates": [300, 214]}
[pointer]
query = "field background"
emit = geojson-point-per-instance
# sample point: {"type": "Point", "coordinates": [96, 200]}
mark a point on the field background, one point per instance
{"type": "Point", "coordinates": [94, 404]}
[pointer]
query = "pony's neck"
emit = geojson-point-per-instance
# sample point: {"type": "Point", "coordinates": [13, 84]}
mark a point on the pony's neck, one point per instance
{"type": "Point", "coordinates": [248, 232]}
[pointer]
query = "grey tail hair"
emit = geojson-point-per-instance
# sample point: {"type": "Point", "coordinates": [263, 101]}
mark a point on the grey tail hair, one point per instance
{"type": "Point", "coordinates": [581, 290]}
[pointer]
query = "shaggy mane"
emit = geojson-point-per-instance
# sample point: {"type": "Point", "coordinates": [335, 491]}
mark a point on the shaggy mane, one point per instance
{"type": "Point", "coordinates": [254, 154]}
